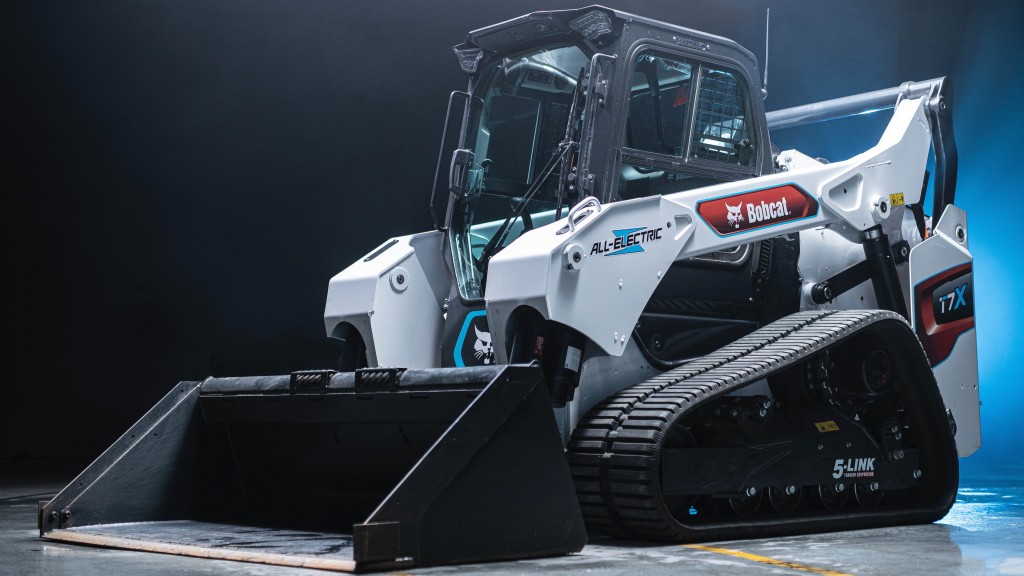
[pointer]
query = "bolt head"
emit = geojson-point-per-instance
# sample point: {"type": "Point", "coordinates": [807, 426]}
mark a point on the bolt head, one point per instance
{"type": "Point", "coordinates": [840, 487]}
{"type": "Point", "coordinates": [658, 343]}
{"type": "Point", "coordinates": [751, 491]}
{"type": "Point", "coordinates": [873, 486]}
{"type": "Point", "coordinates": [790, 489]}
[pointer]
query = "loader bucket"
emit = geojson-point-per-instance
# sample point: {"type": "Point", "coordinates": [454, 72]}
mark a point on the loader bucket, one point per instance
{"type": "Point", "coordinates": [372, 470]}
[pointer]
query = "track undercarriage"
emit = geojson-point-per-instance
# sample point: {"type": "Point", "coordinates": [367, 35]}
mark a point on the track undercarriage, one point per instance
{"type": "Point", "coordinates": [793, 428]}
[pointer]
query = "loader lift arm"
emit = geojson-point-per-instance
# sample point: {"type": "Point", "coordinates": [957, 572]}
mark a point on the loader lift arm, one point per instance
{"type": "Point", "coordinates": [938, 106]}
{"type": "Point", "coordinates": [937, 95]}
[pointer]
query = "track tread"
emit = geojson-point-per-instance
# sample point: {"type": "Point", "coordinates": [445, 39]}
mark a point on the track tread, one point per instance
{"type": "Point", "coordinates": [614, 453]}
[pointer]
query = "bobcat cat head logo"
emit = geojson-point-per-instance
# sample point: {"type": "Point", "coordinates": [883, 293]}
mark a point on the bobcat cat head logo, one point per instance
{"type": "Point", "coordinates": [483, 349]}
{"type": "Point", "coordinates": [734, 216]}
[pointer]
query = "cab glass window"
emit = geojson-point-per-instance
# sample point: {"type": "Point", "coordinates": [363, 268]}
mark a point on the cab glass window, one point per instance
{"type": "Point", "coordinates": [659, 94]}
{"type": "Point", "coordinates": [521, 111]}
{"type": "Point", "coordinates": [722, 126]}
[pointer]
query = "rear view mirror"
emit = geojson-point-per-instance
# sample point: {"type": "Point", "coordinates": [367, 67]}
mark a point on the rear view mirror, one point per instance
{"type": "Point", "coordinates": [458, 172]}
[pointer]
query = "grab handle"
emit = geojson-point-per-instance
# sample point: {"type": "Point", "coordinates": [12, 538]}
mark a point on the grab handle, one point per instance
{"type": "Point", "coordinates": [588, 201]}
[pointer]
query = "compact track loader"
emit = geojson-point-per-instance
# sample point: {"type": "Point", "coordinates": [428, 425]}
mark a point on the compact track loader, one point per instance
{"type": "Point", "coordinates": [634, 316]}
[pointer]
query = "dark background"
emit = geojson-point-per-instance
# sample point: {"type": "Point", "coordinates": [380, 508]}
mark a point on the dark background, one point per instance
{"type": "Point", "coordinates": [182, 177]}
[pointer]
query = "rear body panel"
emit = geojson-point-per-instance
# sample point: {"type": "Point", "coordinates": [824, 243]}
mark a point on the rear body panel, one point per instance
{"type": "Point", "coordinates": [942, 280]}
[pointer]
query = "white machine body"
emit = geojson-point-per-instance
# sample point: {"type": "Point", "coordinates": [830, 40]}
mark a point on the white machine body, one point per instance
{"type": "Point", "coordinates": [597, 273]}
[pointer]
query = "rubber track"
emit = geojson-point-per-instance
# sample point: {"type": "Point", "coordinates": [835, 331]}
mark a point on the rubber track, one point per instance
{"type": "Point", "coordinates": [614, 452]}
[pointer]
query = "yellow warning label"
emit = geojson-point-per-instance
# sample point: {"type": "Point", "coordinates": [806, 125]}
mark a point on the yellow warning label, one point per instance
{"type": "Point", "coordinates": [827, 426]}
{"type": "Point", "coordinates": [896, 200]}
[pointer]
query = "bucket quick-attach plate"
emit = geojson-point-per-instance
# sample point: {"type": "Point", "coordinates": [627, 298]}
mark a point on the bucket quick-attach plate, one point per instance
{"type": "Point", "coordinates": [436, 467]}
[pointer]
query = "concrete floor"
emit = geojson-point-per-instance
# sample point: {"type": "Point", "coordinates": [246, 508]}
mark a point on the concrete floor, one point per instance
{"type": "Point", "coordinates": [983, 534]}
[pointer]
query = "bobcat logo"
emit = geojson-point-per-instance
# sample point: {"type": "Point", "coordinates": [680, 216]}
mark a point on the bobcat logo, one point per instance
{"type": "Point", "coordinates": [734, 216]}
{"type": "Point", "coordinates": [483, 349]}
{"type": "Point", "coordinates": [470, 350]}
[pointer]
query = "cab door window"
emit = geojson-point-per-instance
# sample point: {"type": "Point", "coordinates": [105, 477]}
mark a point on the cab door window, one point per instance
{"type": "Point", "coordinates": [722, 120]}
{"type": "Point", "coordinates": [658, 101]}
{"type": "Point", "coordinates": [687, 125]}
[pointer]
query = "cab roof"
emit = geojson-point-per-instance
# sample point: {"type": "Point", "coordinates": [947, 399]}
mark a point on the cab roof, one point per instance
{"type": "Point", "coordinates": [598, 27]}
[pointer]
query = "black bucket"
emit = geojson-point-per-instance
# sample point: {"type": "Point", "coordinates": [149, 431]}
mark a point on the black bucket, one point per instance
{"type": "Point", "coordinates": [373, 470]}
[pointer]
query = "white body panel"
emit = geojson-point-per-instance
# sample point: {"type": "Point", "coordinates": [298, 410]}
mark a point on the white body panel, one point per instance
{"type": "Point", "coordinates": [825, 252]}
{"type": "Point", "coordinates": [957, 373]}
{"type": "Point", "coordinates": [958, 381]}
{"type": "Point", "coordinates": [395, 300]}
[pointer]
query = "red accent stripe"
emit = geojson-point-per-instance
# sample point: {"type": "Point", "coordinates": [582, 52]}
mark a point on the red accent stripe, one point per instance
{"type": "Point", "coordinates": [733, 214]}
{"type": "Point", "coordinates": [938, 339]}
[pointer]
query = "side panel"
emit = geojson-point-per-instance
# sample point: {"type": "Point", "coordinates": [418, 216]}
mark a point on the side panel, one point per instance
{"type": "Point", "coordinates": [942, 293]}
{"type": "Point", "coordinates": [823, 253]}
{"type": "Point", "coordinates": [394, 297]}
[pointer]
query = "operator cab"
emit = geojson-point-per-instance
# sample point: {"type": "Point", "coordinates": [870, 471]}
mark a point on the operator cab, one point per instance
{"type": "Point", "coordinates": [563, 105]}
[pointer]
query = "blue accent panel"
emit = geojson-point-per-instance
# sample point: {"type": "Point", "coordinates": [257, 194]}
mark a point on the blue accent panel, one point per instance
{"type": "Point", "coordinates": [462, 336]}
{"type": "Point", "coordinates": [628, 250]}
{"type": "Point", "coordinates": [627, 231]}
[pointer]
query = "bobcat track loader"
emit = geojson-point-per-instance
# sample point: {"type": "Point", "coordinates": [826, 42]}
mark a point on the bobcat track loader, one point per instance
{"type": "Point", "coordinates": [634, 317]}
